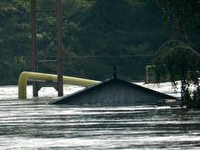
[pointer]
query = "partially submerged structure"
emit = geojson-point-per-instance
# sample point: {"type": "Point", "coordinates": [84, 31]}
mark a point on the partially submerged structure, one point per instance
{"type": "Point", "coordinates": [114, 92]}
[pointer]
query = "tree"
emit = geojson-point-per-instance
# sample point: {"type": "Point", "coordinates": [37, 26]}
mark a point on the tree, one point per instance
{"type": "Point", "coordinates": [181, 62]}
{"type": "Point", "coordinates": [106, 32]}
{"type": "Point", "coordinates": [184, 16]}
{"type": "Point", "coordinates": [14, 39]}
{"type": "Point", "coordinates": [97, 34]}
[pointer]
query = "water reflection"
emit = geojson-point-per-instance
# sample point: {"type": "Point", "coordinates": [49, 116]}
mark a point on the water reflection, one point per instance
{"type": "Point", "coordinates": [36, 125]}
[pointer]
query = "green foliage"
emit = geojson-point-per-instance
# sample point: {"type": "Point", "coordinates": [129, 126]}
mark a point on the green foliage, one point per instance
{"type": "Point", "coordinates": [176, 59]}
{"type": "Point", "coordinates": [97, 34]}
{"type": "Point", "coordinates": [180, 62]}
{"type": "Point", "coordinates": [196, 99]}
{"type": "Point", "coordinates": [14, 38]}
{"type": "Point", "coordinates": [17, 66]}
{"type": "Point", "coordinates": [184, 17]}
{"type": "Point", "coordinates": [11, 69]}
{"type": "Point", "coordinates": [104, 31]}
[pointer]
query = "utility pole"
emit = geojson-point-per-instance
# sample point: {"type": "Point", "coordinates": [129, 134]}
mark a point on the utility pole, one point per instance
{"type": "Point", "coordinates": [34, 43]}
{"type": "Point", "coordinates": [37, 86]}
{"type": "Point", "coordinates": [60, 52]}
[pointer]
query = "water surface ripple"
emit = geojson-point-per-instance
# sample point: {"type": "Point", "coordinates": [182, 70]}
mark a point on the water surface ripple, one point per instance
{"type": "Point", "coordinates": [34, 124]}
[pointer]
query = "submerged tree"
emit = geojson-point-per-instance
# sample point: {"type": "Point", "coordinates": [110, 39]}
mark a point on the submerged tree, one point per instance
{"type": "Point", "coordinates": [179, 61]}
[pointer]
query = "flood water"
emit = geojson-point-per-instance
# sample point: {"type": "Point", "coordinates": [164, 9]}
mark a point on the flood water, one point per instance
{"type": "Point", "coordinates": [33, 124]}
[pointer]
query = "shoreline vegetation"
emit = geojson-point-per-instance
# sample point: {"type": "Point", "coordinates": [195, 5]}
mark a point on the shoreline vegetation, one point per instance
{"type": "Point", "coordinates": [96, 36]}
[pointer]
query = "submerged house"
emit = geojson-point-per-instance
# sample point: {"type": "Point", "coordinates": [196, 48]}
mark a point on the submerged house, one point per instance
{"type": "Point", "coordinates": [114, 92]}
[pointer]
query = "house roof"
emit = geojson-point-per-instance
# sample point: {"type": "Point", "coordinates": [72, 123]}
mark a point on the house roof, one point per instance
{"type": "Point", "coordinates": [107, 82]}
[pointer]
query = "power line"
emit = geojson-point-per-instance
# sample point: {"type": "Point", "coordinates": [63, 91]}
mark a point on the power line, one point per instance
{"type": "Point", "coordinates": [111, 56]}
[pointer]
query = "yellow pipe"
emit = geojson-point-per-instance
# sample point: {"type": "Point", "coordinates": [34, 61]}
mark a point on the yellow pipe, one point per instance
{"type": "Point", "coordinates": [25, 76]}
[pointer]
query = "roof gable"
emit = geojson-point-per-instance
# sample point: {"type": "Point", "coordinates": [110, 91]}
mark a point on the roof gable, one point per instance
{"type": "Point", "coordinates": [106, 86]}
